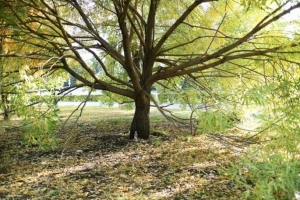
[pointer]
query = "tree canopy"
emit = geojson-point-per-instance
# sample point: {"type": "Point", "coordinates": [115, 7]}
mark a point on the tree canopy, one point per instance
{"type": "Point", "coordinates": [218, 57]}
{"type": "Point", "coordinates": [141, 44]}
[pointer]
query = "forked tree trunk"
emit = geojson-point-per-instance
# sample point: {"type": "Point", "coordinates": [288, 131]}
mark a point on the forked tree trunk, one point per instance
{"type": "Point", "coordinates": [141, 121]}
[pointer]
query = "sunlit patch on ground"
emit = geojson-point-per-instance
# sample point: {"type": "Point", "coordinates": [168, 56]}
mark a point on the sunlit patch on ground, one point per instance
{"type": "Point", "coordinates": [100, 162]}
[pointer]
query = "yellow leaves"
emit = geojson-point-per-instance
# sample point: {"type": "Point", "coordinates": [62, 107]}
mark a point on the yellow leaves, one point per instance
{"type": "Point", "coordinates": [142, 170]}
{"type": "Point", "coordinates": [84, 182]}
{"type": "Point", "coordinates": [17, 185]}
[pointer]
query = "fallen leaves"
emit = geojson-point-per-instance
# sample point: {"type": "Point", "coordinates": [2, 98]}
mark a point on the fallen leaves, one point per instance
{"type": "Point", "coordinates": [94, 164]}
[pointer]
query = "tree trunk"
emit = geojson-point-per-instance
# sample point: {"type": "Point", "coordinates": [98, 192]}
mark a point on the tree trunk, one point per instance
{"type": "Point", "coordinates": [5, 107]}
{"type": "Point", "coordinates": [141, 122]}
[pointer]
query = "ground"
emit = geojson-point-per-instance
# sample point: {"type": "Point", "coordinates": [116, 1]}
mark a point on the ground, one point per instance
{"type": "Point", "coordinates": [96, 160]}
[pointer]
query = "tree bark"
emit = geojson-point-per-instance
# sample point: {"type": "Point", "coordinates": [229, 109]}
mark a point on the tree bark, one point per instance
{"type": "Point", "coordinates": [5, 107]}
{"type": "Point", "coordinates": [141, 121]}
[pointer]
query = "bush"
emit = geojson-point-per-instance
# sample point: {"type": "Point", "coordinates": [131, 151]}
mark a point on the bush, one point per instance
{"type": "Point", "coordinates": [216, 121]}
{"type": "Point", "coordinates": [267, 176]}
{"type": "Point", "coordinates": [271, 170]}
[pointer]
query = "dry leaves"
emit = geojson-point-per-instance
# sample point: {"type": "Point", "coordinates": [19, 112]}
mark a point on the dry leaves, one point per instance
{"type": "Point", "coordinates": [99, 164]}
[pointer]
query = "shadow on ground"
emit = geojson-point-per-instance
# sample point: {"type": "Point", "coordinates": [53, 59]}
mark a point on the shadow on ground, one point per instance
{"type": "Point", "coordinates": [93, 163]}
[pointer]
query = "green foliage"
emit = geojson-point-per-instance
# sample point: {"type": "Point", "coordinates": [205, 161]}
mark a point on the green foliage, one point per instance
{"type": "Point", "coordinates": [168, 97]}
{"type": "Point", "coordinates": [257, 95]}
{"type": "Point", "coordinates": [187, 138]}
{"type": "Point", "coordinates": [40, 129]}
{"type": "Point", "coordinates": [106, 99]}
{"type": "Point", "coordinates": [40, 119]}
{"type": "Point", "coordinates": [215, 121]}
{"type": "Point", "coordinates": [273, 168]}
{"type": "Point", "coordinates": [80, 98]}
{"type": "Point", "coordinates": [280, 117]}
{"type": "Point", "coordinates": [262, 4]}
{"type": "Point", "coordinates": [267, 176]}
{"type": "Point", "coordinates": [192, 97]}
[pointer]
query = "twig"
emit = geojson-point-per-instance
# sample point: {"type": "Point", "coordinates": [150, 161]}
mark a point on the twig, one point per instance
{"type": "Point", "coordinates": [161, 110]}
{"type": "Point", "coordinates": [265, 128]}
{"type": "Point", "coordinates": [232, 141]}
{"type": "Point", "coordinates": [83, 103]}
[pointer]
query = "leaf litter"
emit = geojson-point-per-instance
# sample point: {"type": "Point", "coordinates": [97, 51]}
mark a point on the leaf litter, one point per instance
{"type": "Point", "coordinates": [100, 162]}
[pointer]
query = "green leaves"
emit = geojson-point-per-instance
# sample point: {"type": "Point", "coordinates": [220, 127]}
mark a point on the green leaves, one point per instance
{"type": "Point", "coordinates": [257, 95]}
{"type": "Point", "coordinates": [41, 128]}
{"type": "Point", "coordinates": [267, 176]}
{"type": "Point", "coordinates": [214, 121]}
{"type": "Point", "coordinates": [261, 4]}
{"type": "Point", "coordinates": [272, 168]}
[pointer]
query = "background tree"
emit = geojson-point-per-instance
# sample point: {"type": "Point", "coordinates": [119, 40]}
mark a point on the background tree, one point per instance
{"type": "Point", "coordinates": [139, 44]}
{"type": "Point", "coordinates": [4, 99]}
{"type": "Point", "coordinates": [25, 82]}
{"type": "Point", "coordinates": [4, 43]}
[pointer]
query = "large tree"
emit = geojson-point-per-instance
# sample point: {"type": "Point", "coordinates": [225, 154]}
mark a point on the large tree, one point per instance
{"type": "Point", "coordinates": [139, 43]}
